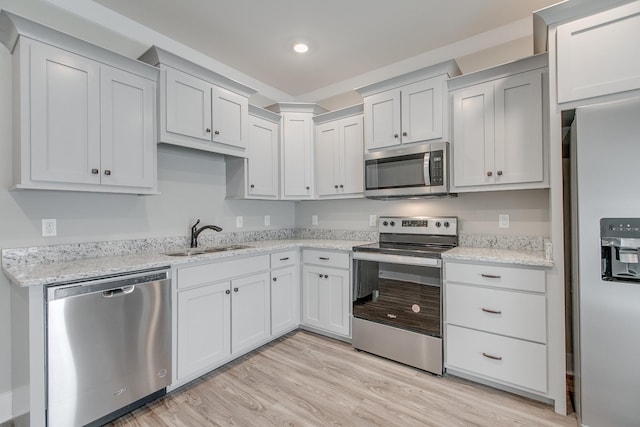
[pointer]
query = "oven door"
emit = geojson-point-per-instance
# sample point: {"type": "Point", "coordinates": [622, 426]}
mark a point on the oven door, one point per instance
{"type": "Point", "coordinates": [400, 291]}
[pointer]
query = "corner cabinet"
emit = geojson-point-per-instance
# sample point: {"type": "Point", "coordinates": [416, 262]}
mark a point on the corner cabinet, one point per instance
{"type": "Point", "coordinates": [407, 109]}
{"type": "Point", "coordinates": [84, 116]}
{"type": "Point", "coordinates": [257, 176]}
{"type": "Point", "coordinates": [296, 150]}
{"type": "Point", "coordinates": [500, 138]}
{"type": "Point", "coordinates": [199, 108]}
{"type": "Point", "coordinates": [339, 154]}
{"type": "Point", "coordinates": [326, 292]}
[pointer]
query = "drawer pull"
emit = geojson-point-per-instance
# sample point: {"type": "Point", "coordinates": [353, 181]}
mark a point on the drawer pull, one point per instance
{"type": "Point", "coordinates": [491, 356]}
{"type": "Point", "coordinates": [324, 258]}
{"type": "Point", "coordinates": [490, 276]}
{"type": "Point", "coordinates": [284, 259]}
{"type": "Point", "coordinates": [488, 310]}
{"type": "Point", "coordinates": [391, 316]}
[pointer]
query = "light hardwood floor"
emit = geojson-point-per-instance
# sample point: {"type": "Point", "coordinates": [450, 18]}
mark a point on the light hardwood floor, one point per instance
{"type": "Point", "coordinates": [304, 379]}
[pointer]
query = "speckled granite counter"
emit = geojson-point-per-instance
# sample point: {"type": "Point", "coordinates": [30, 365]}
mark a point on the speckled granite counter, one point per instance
{"type": "Point", "coordinates": [35, 274]}
{"type": "Point", "coordinates": [503, 256]}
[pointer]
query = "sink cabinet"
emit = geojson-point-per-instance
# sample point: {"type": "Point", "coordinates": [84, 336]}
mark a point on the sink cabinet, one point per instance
{"type": "Point", "coordinates": [84, 116]}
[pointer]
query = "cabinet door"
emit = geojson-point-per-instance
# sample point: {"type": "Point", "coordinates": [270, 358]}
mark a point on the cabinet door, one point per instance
{"type": "Point", "coordinates": [250, 311]}
{"type": "Point", "coordinates": [326, 157]}
{"type": "Point", "coordinates": [263, 157]}
{"type": "Point", "coordinates": [335, 301]}
{"type": "Point", "coordinates": [297, 153]}
{"type": "Point", "coordinates": [285, 303]}
{"type": "Point", "coordinates": [312, 281]}
{"type": "Point", "coordinates": [382, 120]}
{"type": "Point", "coordinates": [230, 114]}
{"type": "Point", "coordinates": [188, 105]}
{"type": "Point", "coordinates": [204, 337]}
{"type": "Point", "coordinates": [422, 110]}
{"type": "Point", "coordinates": [127, 129]}
{"type": "Point", "coordinates": [351, 156]}
{"type": "Point", "coordinates": [518, 129]}
{"type": "Point", "coordinates": [473, 134]}
{"type": "Point", "coordinates": [65, 116]}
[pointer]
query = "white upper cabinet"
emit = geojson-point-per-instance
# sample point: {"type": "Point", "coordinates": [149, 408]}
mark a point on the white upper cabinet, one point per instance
{"type": "Point", "coordinates": [81, 125]}
{"type": "Point", "coordinates": [598, 55]}
{"type": "Point", "coordinates": [339, 154]}
{"type": "Point", "coordinates": [407, 109]}
{"type": "Point", "coordinates": [199, 108]}
{"type": "Point", "coordinates": [257, 176]}
{"type": "Point", "coordinates": [499, 140]}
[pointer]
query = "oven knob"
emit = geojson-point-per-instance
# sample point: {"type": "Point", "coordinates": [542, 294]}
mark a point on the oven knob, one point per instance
{"type": "Point", "coordinates": [446, 224]}
{"type": "Point", "coordinates": [385, 223]}
{"type": "Point", "coordinates": [438, 224]}
{"type": "Point", "coordinates": [392, 223]}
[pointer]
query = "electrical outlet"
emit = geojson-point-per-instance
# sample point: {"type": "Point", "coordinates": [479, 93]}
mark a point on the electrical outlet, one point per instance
{"type": "Point", "coordinates": [49, 228]}
{"type": "Point", "coordinates": [239, 222]}
{"type": "Point", "coordinates": [267, 220]}
{"type": "Point", "coordinates": [373, 220]}
{"type": "Point", "coordinates": [503, 221]}
{"type": "Point", "coordinates": [314, 219]}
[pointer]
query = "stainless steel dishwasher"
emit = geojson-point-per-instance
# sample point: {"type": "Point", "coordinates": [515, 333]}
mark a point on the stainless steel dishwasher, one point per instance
{"type": "Point", "coordinates": [108, 346]}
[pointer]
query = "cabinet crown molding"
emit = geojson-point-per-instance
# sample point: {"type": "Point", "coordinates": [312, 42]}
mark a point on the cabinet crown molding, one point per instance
{"type": "Point", "coordinates": [342, 113]}
{"type": "Point", "coordinates": [297, 107]}
{"type": "Point", "coordinates": [156, 55]}
{"type": "Point", "coordinates": [533, 62]}
{"type": "Point", "coordinates": [12, 27]}
{"type": "Point", "coordinates": [449, 67]}
{"type": "Point", "coordinates": [264, 114]}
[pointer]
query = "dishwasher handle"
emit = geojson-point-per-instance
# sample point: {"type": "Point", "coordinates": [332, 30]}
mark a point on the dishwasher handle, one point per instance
{"type": "Point", "coordinates": [119, 291]}
{"type": "Point", "coordinates": [108, 287]}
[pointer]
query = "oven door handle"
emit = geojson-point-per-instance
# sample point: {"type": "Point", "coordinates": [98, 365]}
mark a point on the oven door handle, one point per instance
{"type": "Point", "coordinates": [427, 169]}
{"type": "Point", "coordinates": [398, 259]}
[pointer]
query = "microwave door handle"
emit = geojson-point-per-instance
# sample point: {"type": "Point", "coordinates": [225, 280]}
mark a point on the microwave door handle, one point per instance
{"type": "Point", "coordinates": [427, 169]}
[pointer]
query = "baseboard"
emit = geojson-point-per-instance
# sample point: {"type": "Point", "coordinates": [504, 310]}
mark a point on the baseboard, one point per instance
{"type": "Point", "coordinates": [5, 406]}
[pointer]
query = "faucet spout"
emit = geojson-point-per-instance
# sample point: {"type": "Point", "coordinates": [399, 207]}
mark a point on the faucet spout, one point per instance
{"type": "Point", "coordinates": [195, 232]}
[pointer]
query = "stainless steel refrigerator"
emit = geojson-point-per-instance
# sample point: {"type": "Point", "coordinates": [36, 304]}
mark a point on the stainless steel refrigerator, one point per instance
{"type": "Point", "coordinates": [605, 153]}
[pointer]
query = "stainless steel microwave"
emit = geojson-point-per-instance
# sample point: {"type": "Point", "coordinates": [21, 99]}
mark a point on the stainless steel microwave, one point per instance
{"type": "Point", "coordinates": [418, 171]}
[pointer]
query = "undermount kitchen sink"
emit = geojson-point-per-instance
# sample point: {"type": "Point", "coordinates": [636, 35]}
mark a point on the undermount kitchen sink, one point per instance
{"type": "Point", "coordinates": [198, 251]}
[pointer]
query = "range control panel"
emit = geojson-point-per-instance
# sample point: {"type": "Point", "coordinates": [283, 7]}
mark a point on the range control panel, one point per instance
{"type": "Point", "coordinates": [419, 225]}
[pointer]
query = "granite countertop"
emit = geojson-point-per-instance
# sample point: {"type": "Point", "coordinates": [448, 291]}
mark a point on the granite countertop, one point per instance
{"type": "Point", "coordinates": [505, 256]}
{"type": "Point", "coordinates": [37, 274]}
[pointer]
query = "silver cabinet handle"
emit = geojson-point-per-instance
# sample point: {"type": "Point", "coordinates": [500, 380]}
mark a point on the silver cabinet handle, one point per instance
{"type": "Point", "coordinates": [391, 316]}
{"type": "Point", "coordinates": [488, 310]}
{"type": "Point", "coordinates": [490, 276]}
{"type": "Point", "coordinates": [323, 258]}
{"type": "Point", "coordinates": [491, 356]}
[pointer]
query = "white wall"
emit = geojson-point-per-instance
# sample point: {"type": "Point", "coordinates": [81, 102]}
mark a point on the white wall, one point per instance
{"type": "Point", "coordinates": [478, 212]}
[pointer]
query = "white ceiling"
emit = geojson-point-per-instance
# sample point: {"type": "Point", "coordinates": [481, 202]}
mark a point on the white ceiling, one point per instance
{"type": "Point", "coordinates": [347, 37]}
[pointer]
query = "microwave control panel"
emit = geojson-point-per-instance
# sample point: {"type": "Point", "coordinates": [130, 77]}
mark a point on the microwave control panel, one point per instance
{"type": "Point", "coordinates": [436, 167]}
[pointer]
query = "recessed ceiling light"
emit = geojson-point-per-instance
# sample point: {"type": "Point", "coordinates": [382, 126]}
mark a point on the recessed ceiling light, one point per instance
{"type": "Point", "coordinates": [300, 48]}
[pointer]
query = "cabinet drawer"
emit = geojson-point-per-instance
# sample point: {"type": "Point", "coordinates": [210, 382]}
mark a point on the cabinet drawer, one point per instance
{"type": "Point", "coordinates": [515, 314]}
{"type": "Point", "coordinates": [326, 258]}
{"type": "Point", "coordinates": [521, 363]}
{"type": "Point", "coordinates": [217, 271]}
{"type": "Point", "coordinates": [284, 259]}
{"type": "Point", "coordinates": [492, 275]}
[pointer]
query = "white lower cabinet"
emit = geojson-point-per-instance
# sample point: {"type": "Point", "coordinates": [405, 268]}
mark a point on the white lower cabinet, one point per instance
{"type": "Point", "coordinates": [204, 328]}
{"type": "Point", "coordinates": [496, 325]}
{"type": "Point", "coordinates": [285, 301]}
{"type": "Point", "coordinates": [326, 301]}
{"type": "Point", "coordinates": [250, 311]}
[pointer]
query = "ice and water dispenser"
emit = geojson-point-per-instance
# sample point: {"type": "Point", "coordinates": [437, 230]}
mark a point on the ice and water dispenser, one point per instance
{"type": "Point", "coordinates": [620, 246]}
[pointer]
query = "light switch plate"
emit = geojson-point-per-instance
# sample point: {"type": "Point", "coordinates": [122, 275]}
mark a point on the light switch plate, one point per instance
{"type": "Point", "coordinates": [373, 220]}
{"type": "Point", "coordinates": [49, 228]}
{"type": "Point", "coordinates": [239, 221]}
{"type": "Point", "coordinates": [314, 219]}
{"type": "Point", "coordinates": [503, 221]}
{"type": "Point", "coordinates": [267, 220]}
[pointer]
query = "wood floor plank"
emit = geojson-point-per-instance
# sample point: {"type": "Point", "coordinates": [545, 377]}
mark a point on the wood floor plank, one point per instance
{"type": "Point", "coordinates": [305, 379]}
